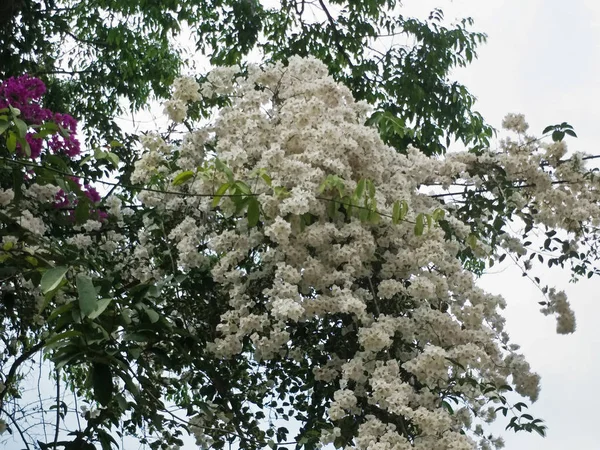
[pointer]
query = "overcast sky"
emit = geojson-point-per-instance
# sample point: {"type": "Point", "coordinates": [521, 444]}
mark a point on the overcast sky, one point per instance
{"type": "Point", "coordinates": [542, 59]}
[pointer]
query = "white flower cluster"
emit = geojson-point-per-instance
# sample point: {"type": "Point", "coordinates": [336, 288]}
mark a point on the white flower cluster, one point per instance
{"type": "Point", "coordinates": [6, 196]}
{"type": "Point", "coordinates": [186, 90]}
{"type": "Point", "coordinates": [559, 305]}
{"type": "Point", "coordinates": [419, 322]}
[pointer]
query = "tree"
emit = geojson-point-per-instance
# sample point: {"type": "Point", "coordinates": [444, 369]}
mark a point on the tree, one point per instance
{"type": "Point", "coordinates": [283, 259]}
{"type": "Point", "coordinates": [94, 54]}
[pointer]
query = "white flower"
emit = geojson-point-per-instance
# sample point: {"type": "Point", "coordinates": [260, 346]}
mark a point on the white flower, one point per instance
{"type": "Point", "coordinates": [6, 196]}
{"type": "Point", "coordinates": [176, 110]}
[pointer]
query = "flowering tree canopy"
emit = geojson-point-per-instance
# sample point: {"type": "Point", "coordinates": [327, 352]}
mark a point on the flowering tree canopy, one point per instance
{"type": "Point", "coordinates": [94, 53]}
{"type": "Point", "coordinates": [282, 259]}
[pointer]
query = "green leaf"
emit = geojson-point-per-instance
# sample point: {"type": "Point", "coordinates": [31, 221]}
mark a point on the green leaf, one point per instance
{"type": "Point", "coordinates": [63, 131]}
{"type": "Point", "coordinates": [360, 188]}
{"type": "Point", "coordinates": [217, 198]}
{"type": "Point", "coordinates": [82, 211]}
{"type": "Point", "coordinates": [420, 224]}
{"type": "Point", "coordinates": [114, 144]}
{"type": "Point", "coordinates": [558, 135]}
{"type": "Point", "coordinates": [374, 217]}
{"type": "Point", "coordinates": [396, 212]}
{"type": "Point", "coordinates": [182, 177]}
{"type": "Point", "coordinates": [113, 158]}
{"type": "Point", "coordinates": [100, 308]}
{"type": "Point", "coordinates": [4, 125]}
{"type": "Point", "coordinates": [438, 214]}
{"type": "Point", "coordinates": [243, 187]}
{"type": "Point", "coordinates": [267, 179]}
{"type": "Point", "coordinates": [571, 133]}
{"type": "Point", "coordinates": [371, 188]}
{"type": "Point", "coordinates": [21, 126]}
{"type": "Point", "coordinates": [472, 240]}
{"type": "Point", "coordinates": [102, 383]}
{"type": "Point", "coordinates": [548, 129]}
{"type": "Point", "coordinates": [60, 310]}
{"type": "Point", "coordinates": [87, 294]}
{"type": "Point", "coordinates": [223, 168]}
{"type": "Point", "coordinates": [403, 209]}
{"type": "Point", "coordinates": [152, 315]}
{"type": "Point", "coordinates": [52, 278]}
{"type": "Point", "coordinates": [324, 185]}
{"type": "Point", "coordinates": [11, 141]}
{"type": "Point", "coordinates": [253, 212]}
{"type": "Point", "coordinates": [61, 336]}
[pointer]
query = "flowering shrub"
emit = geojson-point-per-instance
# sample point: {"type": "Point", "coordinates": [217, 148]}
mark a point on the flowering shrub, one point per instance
{"type": "Point", "coordinates": [284, 259]}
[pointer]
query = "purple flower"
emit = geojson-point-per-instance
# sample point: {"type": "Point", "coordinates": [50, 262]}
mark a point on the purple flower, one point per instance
{"type": "Point", "coordinates": [91, 193]}
{"type": "Point", "coordinates": [25, 93]}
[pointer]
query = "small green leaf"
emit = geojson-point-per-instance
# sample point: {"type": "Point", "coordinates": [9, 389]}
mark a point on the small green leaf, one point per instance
{"type": "Point", "coordinates": [60, 310]}
{"type": "Point", "coordinates": [253, 212]}
{"type": "Point", "coordinates": [4, 125]}
{"type": "Point", "coordinates": [324, 185]}
{"type": "Point", "coordinates": [100, 308]}
{"type": "Point", "coordinates": [223, 168]}
{"type": "Point", "coordinates": [332, 209]}
{"type": "Point", "coordinates": [87, 294]}
{"type": "Point", "coordinates": [32, 260]}
{"type": "Point", "coordinates": [182, 177]}
{"type": "Point", "coordinates": [571, 133]}
{"type": "Point", "coordinates": [52, 278]}
{"type": "Point", "coordinates": [438, 214]}
{"type": "Point", "coordinates": [63, 131]}
{"type": "Point", "coordinates": [472, 240]}
{"type": "Point", "coordinates": [548, 129]}
{"type": "Point", "coordinates": [114, 144]}
{"type": "Point", "coordinates": [152, 315]}
{"type": "Point", "coordinates": [371, 188]}
{"type": "Point", "coordinates": [11, 141]}
{"type": "Point", "coordinates": [360, 188]}
{"type": "Point", "coordinates": [403, 209]}
{"type": "Point", "coordinates": [24, 145]}
{"type": "Point", "coordinates": [267, 179]}
{"type": "Point", "coordinates": [113, 158]}
{"type": "Point", "coordinates": [82, 211]}
{"type": "Point", "coordinates": [374, 217]}
{"type": "Point", "coordinates": [558, 135]}
{"type": "Point", "coordinates": [243, 187]}
{"type": "Point", "coordinates": [396, 212]}
{"type": "Point", "coordinates": [217, 198]}
{"type": "Point", "coordinates": [61, 336]}
{"type": "Point", "coordinates": [420, 224]}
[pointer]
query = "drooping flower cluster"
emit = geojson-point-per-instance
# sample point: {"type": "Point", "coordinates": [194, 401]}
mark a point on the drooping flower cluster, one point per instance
{"type": "Point", "coordinates": [421, 329]}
